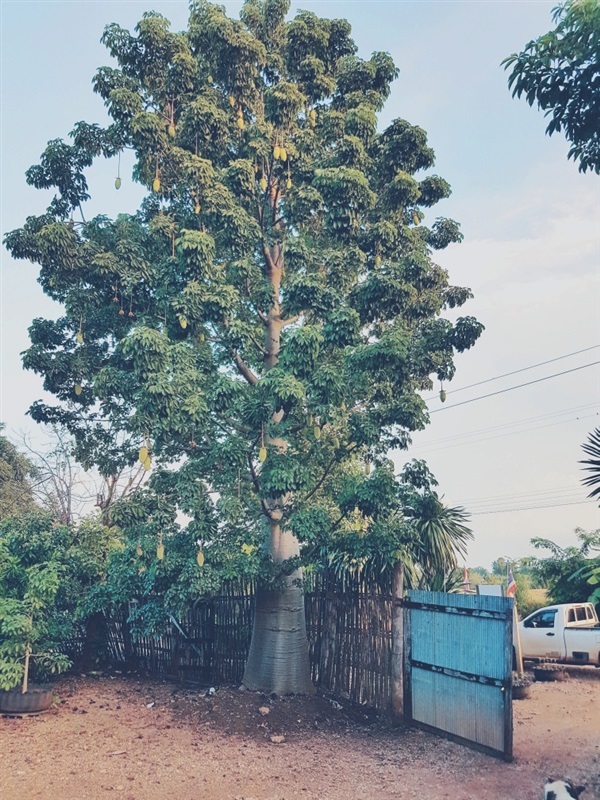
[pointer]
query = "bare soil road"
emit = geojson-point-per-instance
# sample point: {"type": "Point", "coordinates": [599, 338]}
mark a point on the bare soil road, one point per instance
{"type": "Point", "coordinates": [126, 738]}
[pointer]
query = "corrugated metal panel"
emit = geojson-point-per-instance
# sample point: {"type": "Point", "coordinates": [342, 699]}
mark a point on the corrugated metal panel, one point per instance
{"type": "Point", "coordinates": [459, 662]}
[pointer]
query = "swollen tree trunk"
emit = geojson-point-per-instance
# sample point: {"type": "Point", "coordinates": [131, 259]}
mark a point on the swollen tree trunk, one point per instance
{"type": "Point", "coordinates": [278, 658]}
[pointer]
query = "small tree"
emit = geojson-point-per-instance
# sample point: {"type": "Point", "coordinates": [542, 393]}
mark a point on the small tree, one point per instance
{"type": "Point", "coordinates": [272, 310]}
{"type": "Point", "coordinates": [561, 72]}
{"type": "Point", "coordinates": [567, 571]}
{"type": "Point", "coordinates": [16, 472]}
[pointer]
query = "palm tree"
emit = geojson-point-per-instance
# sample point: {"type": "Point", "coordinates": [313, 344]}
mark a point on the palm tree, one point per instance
{"type": "Point", "coordinates": [442, 536]}
{"type": "Point", "coordinates": [592, 448]}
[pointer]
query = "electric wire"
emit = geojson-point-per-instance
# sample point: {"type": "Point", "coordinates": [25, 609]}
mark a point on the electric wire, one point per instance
{"type": "Point", "coordinates": [515, 371]}
{"type": "Point", "coordinates": [504, 435]}
{"type": "Point", "coordinates": [526, 495]}
{"type": "Point", "coordinates": [528, 508]}
{"type": "Point", "coordinates": [512, 388]}
{"type": "Point", "coordinates": [492, 428]}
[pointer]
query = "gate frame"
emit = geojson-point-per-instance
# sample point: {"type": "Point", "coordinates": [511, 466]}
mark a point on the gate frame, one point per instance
{"type": "Point", "coordinates": [505, 684]}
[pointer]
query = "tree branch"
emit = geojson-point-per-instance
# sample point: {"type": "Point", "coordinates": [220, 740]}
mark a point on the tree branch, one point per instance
{"type": "Point", "coordinates": [243, 368]}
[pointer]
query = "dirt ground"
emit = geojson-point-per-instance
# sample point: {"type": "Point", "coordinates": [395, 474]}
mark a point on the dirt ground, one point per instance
{"type": "Point", "coordinates": [132, 739]}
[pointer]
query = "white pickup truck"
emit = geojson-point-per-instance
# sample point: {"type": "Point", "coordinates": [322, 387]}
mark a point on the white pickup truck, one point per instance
{"type": "Point", "coordinates": [569, 633]}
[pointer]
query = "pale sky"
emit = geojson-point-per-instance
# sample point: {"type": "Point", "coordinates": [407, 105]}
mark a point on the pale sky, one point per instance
{"type": "Point", "coordinates": [531, 252]}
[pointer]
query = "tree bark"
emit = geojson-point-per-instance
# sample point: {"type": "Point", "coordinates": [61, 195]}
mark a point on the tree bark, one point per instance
{"type": "Point", "coordinates": [398, 642]}
{"type": "Point", "coordinates": [278, 658]}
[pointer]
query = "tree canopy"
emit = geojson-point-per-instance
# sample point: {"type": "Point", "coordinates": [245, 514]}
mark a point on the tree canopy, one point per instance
{"type": "Point", "coordinates": [259, 332]}
{"type": "Point", "coordinates": [16, 471]}
{"type": "Point", "coordinates": [560, 71]}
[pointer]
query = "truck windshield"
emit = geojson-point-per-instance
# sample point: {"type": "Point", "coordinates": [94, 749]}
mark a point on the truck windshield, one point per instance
{"type": "Point", "coordinates": [545, 619]}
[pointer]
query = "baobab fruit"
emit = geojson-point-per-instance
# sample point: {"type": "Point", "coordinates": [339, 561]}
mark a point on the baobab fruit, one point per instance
{"type": "Point", "coordinates": [183, 322]}
{"type": "Point", "coordinates": [156, 185]}
{"type": "Point", "coordinates": [288, 183]}
{"type": "Point", "coordinates": [147, 463]}
{"type": "Point", "coordinates": [200, 557]}
{"type": "Point", "coordinates": [231, 101]}
{"type": "Point", "coordinates": [118, 183]}
{"type": "Point", "coordinates": [160, 551]}
{"type": "Point", "coordinates": [79, 337]}
{"type": "Point", "coordinates": [78, 389]}
{"type": "Point", "coordinates": [240, 123]}
{"type": "Point", "coordinates": [263, 183]}
{"type": "Point", "coordinates": [317, 432]}
{"type": "Point", "coordinates": [197, 208]}
{"type": "Point", "coordinates": [276, 152]}
{"type": "Point", "coordinates": [143, 454]}
{"type": "Point", "coordinates": [443, 395]}
{"type": "Point", "coordinates": [171, 131]}
{"type": "Point", "coordinates": [138, 550]}
{"type": "Point", "coordinates": [283, 154]}
{"type": "Point", "coordinates": [262, 454]}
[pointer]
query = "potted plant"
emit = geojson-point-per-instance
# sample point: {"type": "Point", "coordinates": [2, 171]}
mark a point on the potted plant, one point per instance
{"type": "Point", "coordinates": [521, 685]}
{"type": "Point", "coordinates": [30, 632]}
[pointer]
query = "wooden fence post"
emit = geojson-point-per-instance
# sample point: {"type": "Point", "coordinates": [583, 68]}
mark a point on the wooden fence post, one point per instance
{"type": "Point", "coordinates": [398, 642]}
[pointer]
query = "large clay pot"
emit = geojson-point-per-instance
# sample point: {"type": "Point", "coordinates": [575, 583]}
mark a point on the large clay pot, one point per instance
{"type": "Point", "coordinates": [35, 700]}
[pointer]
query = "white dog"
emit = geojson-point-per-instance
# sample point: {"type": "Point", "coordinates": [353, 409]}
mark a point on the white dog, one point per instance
{"type": "Point", "coordinates": [561, 790]}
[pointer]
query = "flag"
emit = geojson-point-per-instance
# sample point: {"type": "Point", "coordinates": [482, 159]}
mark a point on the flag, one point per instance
{"type": "Point", "coordinates": [466, 585]}
{"type": "Point", "coordinates": [511, 588]}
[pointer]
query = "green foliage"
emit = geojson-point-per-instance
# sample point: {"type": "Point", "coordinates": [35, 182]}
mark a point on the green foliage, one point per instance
{"type": "Point", "coordinates": [264, 324]}
{"type": "Point", "coordinates": [592, 464]}
{"type": "Point", "coordinates": [560, 71]}
{"type": "Point", "coordinates": [567, 572]}
{"type": "Point", "coordinates": [16, 471]}
{"type": "Point", "coordinates": [46, 570]}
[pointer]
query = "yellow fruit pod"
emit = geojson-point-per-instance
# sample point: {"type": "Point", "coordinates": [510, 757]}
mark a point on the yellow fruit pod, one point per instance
{"type": "Point", "coordinates": [209, 79]}
{"type": "Point", "coordinates": [156, 185]}
{"type": "Point", "coordinates": [160, 551]}
{"type": "Point", "coordinates": [197, 208]}
{"type": "Point", "coordinates": [200, 557]}
{"type": "Point", "coordinates": [313, 114]}
{"type": "Point", "coordinates": [183, 322]}
{"type": "Point", "coordinates": [283, 153]}
{"type": "Point", "coordinates": [276, 152]}
{"type": "Point", "coordinates": [262, 454]}
{"type": "Point", "coordinates": [367, 468]}
{"type": "Point", "coordinates": [139, 551]}
{"type": "Point", "coordinates": [263, 183]}
{"type": "Point", "coordinates": [147, 463]}
{"type": "Point", "coordinates": [231, 101]}
{"type": "Point", "coordinates": [377, 261]}
{"type": "Point", "coordinates": [79, 337]}
{"type": "Point", "coordinates": [336, 443]}
{"type": "Point", "coordinates": [255, 168]}
{"type": "Point", "coordinates": [443, 395]}
{"type": "Point", "coordinates": [171, 131]}
{"type": "Point", "coordinates": [118, 183]}
{"type": "Point", "coordinates": [288, 183]}
{"type": "Point", "coordinates": [78, 389]}
{"type": "Point", "coordinates": [240, 123]}
{"type": "Point", "coordinates": [416, 218]}
{"type": "Point", "coordinates": [143, 454]}
{"type": "Point", "coordinates": [317, 432]}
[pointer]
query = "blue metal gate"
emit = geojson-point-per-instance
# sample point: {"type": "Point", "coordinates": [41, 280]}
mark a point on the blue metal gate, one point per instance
{"type": "Point", "coordinates": [458, 667]}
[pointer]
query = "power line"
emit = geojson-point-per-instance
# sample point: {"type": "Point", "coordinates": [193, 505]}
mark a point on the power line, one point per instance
{"type": "Point", "coordinates": [527, 495]}
{"type": "Point", "coordinates": [528, 508]}
{"type": "Point", "coordinates": [492, 428]}
{"type": "Point", "coordinates": [519, 386]}
{"type": "Point", "coordinates": [515, 371]}
{"type": "Point", "coordinates": [506, 433]}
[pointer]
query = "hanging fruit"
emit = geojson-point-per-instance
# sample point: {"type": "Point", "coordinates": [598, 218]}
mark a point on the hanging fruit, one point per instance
{"type": "Point", "coordinates": [262, 454]}
{"type": "Point", "coordinates": [197, 208]}
{"type": "Point", "coordinates": [79, 337]}
{"type": "Point", "coordinates": [118, 183]}
{"type": "Point", "coordinates": [78, 389]}
{"type": "Point", "coordinates": [231, 100]}
{"type": "Point", "coordinates": [288, 183]}
{"type": "Point", "coordinates": [147, 463]}
{"type": "Point", "coordinates": [263, 183]}
{"type": "Point", "coordinates": [443, 395]}
{"type": "Point", "coordinates": [156, 185]}
{"type": "Point", "coordinates": [138, 549]}
{"type": "Point", "coordinates": [171, 131]}
{"type": "Point", "coordinates": [200, 557]}
{"type": "Point", "coordinates": [312, 118]}
{"type": "Point", "coordinates": [160, 551]}
{"type": "Point", "coordinates": [276, 152]}
{"type": "Point", "coordinates": [317, 432]}
{"type": "Point", "coordinates": [121, 312]}
{"type": "Point", "coordinates": [143, 454]}
{"type": "Point", "coordinates": [416, 218]}
{"type": "Point", "coordinates": [209, 79]}
{"type": "Point", "coordinates": [336, 442]}
{"type": "Point", "coordinates": [240, 123]}
{"type": "Point", "coordinates": [283, 153]}
{"type": "Point", "coordinates": [377, 260]}
{"type": "Point", "coordinates": [183, 322]}
{"type": "Point", "coordinates": [367, 467]}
